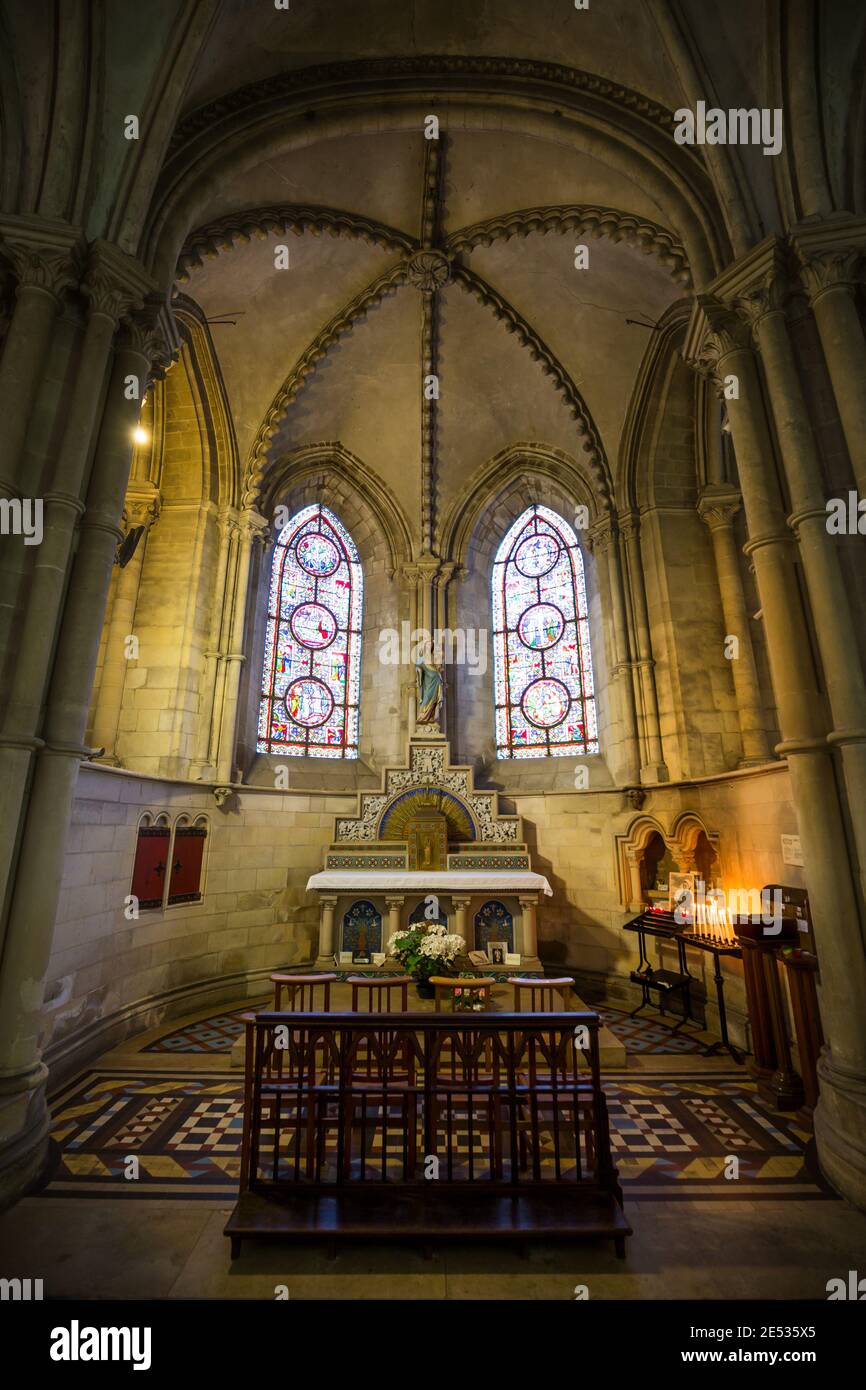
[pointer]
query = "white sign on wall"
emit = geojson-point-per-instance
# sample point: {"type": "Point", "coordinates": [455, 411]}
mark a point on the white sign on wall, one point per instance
{"type": "Point", "coordinates": [792, 850]}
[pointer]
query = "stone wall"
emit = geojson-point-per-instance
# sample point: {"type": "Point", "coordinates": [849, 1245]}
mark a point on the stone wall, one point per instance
{"type": "Point", "coordinates": [573, 840]}
{"type": "Point", "coordinates": [110, 977]}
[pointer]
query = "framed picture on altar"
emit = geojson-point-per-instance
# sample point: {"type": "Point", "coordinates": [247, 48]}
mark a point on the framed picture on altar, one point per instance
{"type": "Point", "coordinates": [496, 952]}
{"type": "Point", "coordinates": [345, 958]}
{"type": "Point", "coordinates": [479, 958]}
{"type": "Point", "coordinates": [681, 895]}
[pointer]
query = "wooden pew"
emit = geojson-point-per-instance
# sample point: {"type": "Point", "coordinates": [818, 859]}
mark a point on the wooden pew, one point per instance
{"type": "Point", "coordinates": [466, 1150]}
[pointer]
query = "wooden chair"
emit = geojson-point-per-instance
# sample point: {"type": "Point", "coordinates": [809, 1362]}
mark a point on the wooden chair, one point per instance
{"type": "Point", "coordinates": [301, 993]}
{"type": "Point", "coordinates": [448, 988]}
{"type": "Point", "coordinates": [546, 996]}
{"type": "Point", "coordinates": [372, 994]}
{"type": "Point", "coordinates": [368, 992]}
{"type": "Point", "coordinates": [305, 994]}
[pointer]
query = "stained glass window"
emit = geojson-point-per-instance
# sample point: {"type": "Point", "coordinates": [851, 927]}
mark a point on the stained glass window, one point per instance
{"type": "Point", "coordinates": [544, 692]}
{"type": "Point", "coordinates": [312, 667]}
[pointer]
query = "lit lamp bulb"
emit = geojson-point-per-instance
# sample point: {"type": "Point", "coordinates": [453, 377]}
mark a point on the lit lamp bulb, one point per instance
{"type": "Point", "coordinates": [140, 435]}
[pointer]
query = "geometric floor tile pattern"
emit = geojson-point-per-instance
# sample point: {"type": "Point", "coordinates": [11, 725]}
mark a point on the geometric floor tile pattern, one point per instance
{"type": "Point", "coordinates": [672, 1135]}
{"type": "Point", "coordinates": [648, 1035]}
{"type": "Point", "coordinates": [217, 1035]}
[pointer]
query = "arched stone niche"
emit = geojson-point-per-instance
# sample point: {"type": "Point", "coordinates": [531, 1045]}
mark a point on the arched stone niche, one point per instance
{"type": "Point", "coordinates": [687, 843]}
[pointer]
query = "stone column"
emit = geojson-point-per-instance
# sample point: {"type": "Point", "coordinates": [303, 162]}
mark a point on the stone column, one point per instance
{"type": "Point", "coordinates": [114, 285]}
{"type": "Point", "coordinates": [602, 541]}
{"type": "Point", "coordinates": [395, 911]}
{"type": "Point", "coordinates": [830, 278]}
{"type": "Point", "coordinates": [202, 766]}
{"type": "Point", "coordinates": [834, 623]}
{"type": "Point", "coordinates": [33, 907]}
{"type": "Point", "coordinates": [141, 510]}
{"type": "Point", "coordinates": [45, 258]}
{"type": "Point", "coordinates": [326, 931]}
{"type": "Point", "coordinates": [461, 911]}
{"type": "Point", "coordinates": [718, 340]}
{"type": "Point", "coordinates": [252, 527]}
{"type": "Point", "coordinates": [528, 910]}
{"type": "Point", "coordinates": [654, 768]}
{"type": "Point", "coordinates": [717, 507]}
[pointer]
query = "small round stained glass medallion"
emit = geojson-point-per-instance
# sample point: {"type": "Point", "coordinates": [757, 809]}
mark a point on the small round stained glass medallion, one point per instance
{"type": "Point", "coordinates": [309, 702]}
{"type": "Point", "coordinates": [540, 626]}
{"type": "Point", "coordinates": [545, 703]}
{"type": "Point", "coordinates": [317, 554]}
{"type": "Point", "coordinates": [537, 555]}
{"type": "Point", "coordinates": [313, 625]}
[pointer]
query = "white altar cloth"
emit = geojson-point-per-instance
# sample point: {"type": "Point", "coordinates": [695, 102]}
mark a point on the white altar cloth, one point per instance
{"type": "Point", "coordinates": [464, 881]}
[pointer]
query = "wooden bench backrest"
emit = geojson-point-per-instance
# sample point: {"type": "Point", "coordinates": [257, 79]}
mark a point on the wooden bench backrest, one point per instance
{"type": "Point", "coordinates": [303, 993]}
{"type": "Point", "coordinates": [545, 996]}
{"type": "Point", "coordinates": [372, 994]}
{"type": "Point", "coordinates": [507, 1099]}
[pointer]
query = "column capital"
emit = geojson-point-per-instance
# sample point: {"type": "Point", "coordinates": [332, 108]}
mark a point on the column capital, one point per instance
{"type": "Point", "coordinates": [141, 507]}
{"type": "Point", "coordinates": [116, 285]}
{"type": "Point", "coordinates": [252, 526]}
{"type": "Point", "coordinates": [629, 524]}
{"type": "Point", "coordinates": [718, 504]}
{"type": "Point", "coordinates": [716, 331]}
{"type": "Point", "coordinates": [601, 535]}
{"type": "Point", "coordinates": [151, 331]}
{"type": "Point", "coordinates": [826, 270]}
{"type": "Point", "coordinates": [43, 254]}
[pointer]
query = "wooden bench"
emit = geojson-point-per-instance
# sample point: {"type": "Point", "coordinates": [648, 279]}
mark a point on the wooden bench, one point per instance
{"type": "Point", "coordinates": [445, 1139]}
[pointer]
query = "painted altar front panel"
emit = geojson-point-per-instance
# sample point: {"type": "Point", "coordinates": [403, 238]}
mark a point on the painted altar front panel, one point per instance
{"type": "Point", "coordinates": [493, 922]}
{"type": "Point", "coordinates": [361, 931]}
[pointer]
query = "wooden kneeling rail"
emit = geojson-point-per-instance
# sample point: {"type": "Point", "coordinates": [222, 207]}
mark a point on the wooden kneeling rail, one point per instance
{"type": "Point", "coordinates": [419, 1126]}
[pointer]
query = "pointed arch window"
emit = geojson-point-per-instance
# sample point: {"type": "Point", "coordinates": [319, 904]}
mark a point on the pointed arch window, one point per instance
{"type": "Point", "coordinates": [312, 667]}
{"type": "Point", "coordinates": [543, 680]}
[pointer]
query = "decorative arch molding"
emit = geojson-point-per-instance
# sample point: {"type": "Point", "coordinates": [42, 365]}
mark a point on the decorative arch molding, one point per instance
{"type": "Point", "coordinates": [386, 283]}
{"type": "Point", "coordinates": [648, 400]}
{"type": "Point", "coordinates": [239, 228]}
{"type": "Point", "coordinates": [356, 309]}
{"type": "Point", "coordinates": [583, 219]}
{"type": "Point", "coordinates": [550, 366]}
{"type": "Point", "coordinates": [527, 466]}
{"type": "Point", "coordinates": [680, 834]}
{"type": "Point", "coordinates": [316, 472]}
{"type": "Point", "coordinates": [687, 829]}
{"type": "Point", "coordinates": [621, 127]}
{"type": "Point", "coordinates": [214, 408]}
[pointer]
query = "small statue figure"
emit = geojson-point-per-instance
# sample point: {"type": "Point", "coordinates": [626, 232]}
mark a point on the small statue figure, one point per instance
{"type": "Point", "coordinates": [430, 687]}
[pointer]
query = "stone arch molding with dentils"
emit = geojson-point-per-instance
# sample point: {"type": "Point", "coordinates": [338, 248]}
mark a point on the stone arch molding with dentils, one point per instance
{"type": "Point", "coordinates": [357, 308]}
{"type": "Point", "coordinates": [621, 127]}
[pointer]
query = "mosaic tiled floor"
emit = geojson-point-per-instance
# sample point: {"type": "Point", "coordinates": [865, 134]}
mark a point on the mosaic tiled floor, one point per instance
{"type": "Point", "coordinates": [649, 1034]}
{"type": "Point", "coordinates": [671, 1135]}
{"type": "Point", "coordinates": [643, 1035]}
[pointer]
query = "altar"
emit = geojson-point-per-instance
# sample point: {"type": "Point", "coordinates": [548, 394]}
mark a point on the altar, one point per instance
{"type": "Point", "coordinates": [428, 846]}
